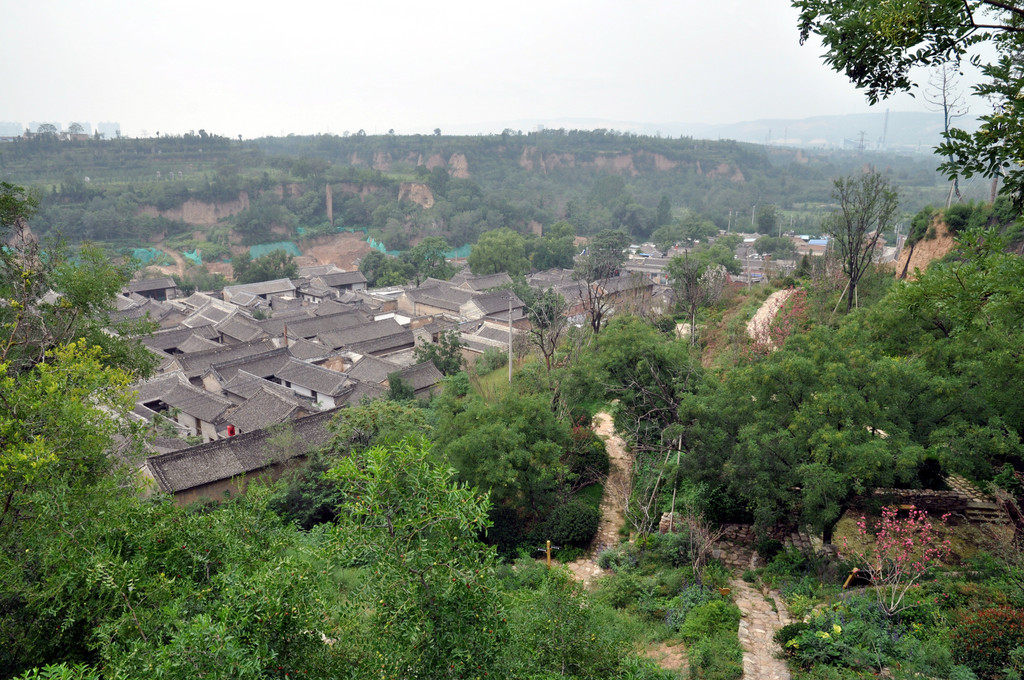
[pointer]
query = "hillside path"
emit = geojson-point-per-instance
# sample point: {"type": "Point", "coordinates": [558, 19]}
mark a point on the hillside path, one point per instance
{"type": "Point", "coordinates": [757, 327]}
{"type": "Point", "coordinates": [757, 628]}
{"type": "Point", "coordinates": [616, 491]}
{"type": "Point", "coordinates": [178, 259]}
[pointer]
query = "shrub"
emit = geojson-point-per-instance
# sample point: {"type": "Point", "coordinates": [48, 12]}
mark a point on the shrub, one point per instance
{"type": "Point", "coordinates": [586, 457]}
{"type": "Point", "coordinates": [574, 523]}
{"type": "Point", "coordinates": [620, 558]}
{"type": "Point", "coordinates": [709, 619]}
{"type": "Point", "coordinates": [620, 590]}
{"type": "Point", "coordinates": [983, 640]}
{"type": "Point", "coordinates": [717, 658]}
{"type": "Point", "coordinates": [789, 632]}
{"type": "Point", "coordinates": [491, 360]}
{"type": "Point", "coordinates": [768, 548]}
{"type": "Point", "coordinates": [957, 217]}
{"type": "Point", "coordinates": [671, 549]}
{"type": "Point", "coordinates": [681, 605]}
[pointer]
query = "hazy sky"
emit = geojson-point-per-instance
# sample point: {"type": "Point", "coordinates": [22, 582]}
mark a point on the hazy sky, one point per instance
{"type": "Point", "coordinates": [258, 68]}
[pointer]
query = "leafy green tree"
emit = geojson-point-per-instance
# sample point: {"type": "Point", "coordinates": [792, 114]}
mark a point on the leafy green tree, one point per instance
{"type": "Point", "coordinates": [556, 248]}
{"type": "Point", "coordinates": [399, 389]}
{"type": "Point", "coordinates": [963, 318]}
{"type": "Point", "coordinates": [446, 353]}
{"type": "Point", "coordinates": [501, 250]}
{"type": "Point", "coordinates": [824, 419]}
{"type": "Point", "coordinates": [51, 299]}
{"type": "Point", "coordinates": [867, 206]}
{"type": "Point", "coordinates": [512, 449]}
{"type": "Point", "coordinates": [781, 248]}
{"type": "Point", "coordinates": [430, 603]}
{"type": "Point", "coordinates": [767, 219]}
{"type": "Point", "coordinates": [277, 264]}
{"type": "Point", "coordinates": [383, 270]}
{"type": "Point", "coordinates": [427, 259]}
{"type": "Point", "coordinates": [312, 169]}
{"type": "Point", "coordinates": [697, 282]}
{"type": "Point", "coordinates": [306, 496]}
{"type": "Point", "coordinates": [663, 215]}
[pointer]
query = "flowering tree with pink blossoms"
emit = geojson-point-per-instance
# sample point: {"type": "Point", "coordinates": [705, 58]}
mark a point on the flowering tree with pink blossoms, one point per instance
{"type": "Point", "coordinates": [902, 551]}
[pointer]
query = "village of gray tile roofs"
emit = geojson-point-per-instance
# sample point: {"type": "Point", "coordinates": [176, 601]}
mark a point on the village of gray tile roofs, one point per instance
{"type": "Point", "coordinates": [237, 366]}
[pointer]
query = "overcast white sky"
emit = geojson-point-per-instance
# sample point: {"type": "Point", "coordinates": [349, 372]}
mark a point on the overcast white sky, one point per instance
{"type": "Point", "coordinates": [306, 66]}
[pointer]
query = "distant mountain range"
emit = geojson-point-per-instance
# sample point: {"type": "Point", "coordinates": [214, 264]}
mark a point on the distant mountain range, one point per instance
{"type": "Point", "coordinates": [907, 132]}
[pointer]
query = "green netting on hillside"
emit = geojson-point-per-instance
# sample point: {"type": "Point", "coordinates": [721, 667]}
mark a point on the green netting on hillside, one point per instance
{"type": "Point", "coordinates": [377, 245]}
{"type": "Point", "coordinates": [194, 256]}
{"type": "Point", "coordinates": [462, 252]}
{"type": "Point", "coordinates": [267, 248]}
{"type": "Point", "coordinates": [318, 231]}
{"type": "Point", "coordinates": [146, 255]}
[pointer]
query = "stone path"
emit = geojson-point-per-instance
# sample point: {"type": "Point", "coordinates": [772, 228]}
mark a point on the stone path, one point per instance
{"type": "Point", "coordinates": [616, 491]}
{"type": "Point", "coordinates": [757, 627]}
{"type": "Point", "coordinates": [759, 326]}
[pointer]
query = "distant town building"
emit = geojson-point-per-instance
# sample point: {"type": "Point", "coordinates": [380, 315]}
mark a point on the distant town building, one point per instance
{"type": "Point", "coordinates": [109, 130]}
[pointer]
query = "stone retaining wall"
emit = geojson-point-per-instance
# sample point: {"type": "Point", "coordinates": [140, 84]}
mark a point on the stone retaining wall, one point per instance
{"type": "Point", "coordinates": [935, 502]}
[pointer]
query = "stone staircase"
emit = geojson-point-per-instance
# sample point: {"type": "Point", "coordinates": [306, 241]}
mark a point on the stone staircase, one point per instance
{"type": "Point", "coordinates": [979, 512]}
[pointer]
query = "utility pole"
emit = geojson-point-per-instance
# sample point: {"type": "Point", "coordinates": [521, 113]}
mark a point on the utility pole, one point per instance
{"type": "Point", "coordinates": [510, 337]}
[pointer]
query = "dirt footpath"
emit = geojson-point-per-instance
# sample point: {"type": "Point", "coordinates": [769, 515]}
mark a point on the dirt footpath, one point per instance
{"type": "Point", "coordinates": [616, 491]}
{"type": "Point", "coordinates": [760, 323]}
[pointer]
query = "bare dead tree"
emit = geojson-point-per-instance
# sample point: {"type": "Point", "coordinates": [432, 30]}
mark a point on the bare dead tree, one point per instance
{"type": "Point", "coordinates": [944, 95]}
{"type": "Point", "coordinates": [867, 206]}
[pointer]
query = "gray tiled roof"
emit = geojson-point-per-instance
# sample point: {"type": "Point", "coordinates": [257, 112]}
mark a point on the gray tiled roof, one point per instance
{"type": "Point", "coordinates": [262, 289]}
{"type": "Point", "coordinates": [478, 283]}
{"type": "Point", "coordinates": [279, 303]}
{"type": "Point", "coordinates": [240, 328]}
{"type": "Point", "coordinates": [372, 370]}
{"type": "Point", "coordinates": [328, 307]}
{"type": "Point", "coordinates": [338, 279]}
{"type": "Point", "coordinates": [364, 391]}
{"type": "Point", "coordinates": [377, 337]}
{"type": "Point", "coordinates": [310, 271]}
{"type": "Point", "coordinates": [275, 324]}
{"type": "Point", "coordinates": [493, 303]}
{"type": "Point", "coordinates": [173, 390]}
{"type": "Point", "coordinates": [161, 283]}
{"type": "Point", "coordinates": [214, 311]}
{"type": "Point", "coordinates": [263, 409]}
{"type": "Point", "coordinates": [198, 403]}
{"type": "Point", "coordinates": [315, 378]}
{"type": "Point", "coordinates": [244, 385]}
{"type": "Point", "coordinates": [307, 350]}
{"type": "Point", "coordinates": [263, 364]}
{"type": "Point", "coordinates": [227, 458]}
{"type": "Point", "coordinates": [157, 386]}
{"type": "Point", "coordinates": [196, 343]}
{"type": "Point", "coordinates": [195, 364]}
{"type": "Point", "coordinates": [244, 298]}
{"type": "Point", "coordinates": [312, 326]}
{"type": "Point", "coordinates": [422, 376]}
{"type": "Point", "coordinates": [493, 333]}
{"type": "Point", "coordinates": [172, 338]}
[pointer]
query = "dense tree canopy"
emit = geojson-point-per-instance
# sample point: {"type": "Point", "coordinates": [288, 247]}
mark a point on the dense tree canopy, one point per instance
{"type": "Point", "coordinates": [501, 250]}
